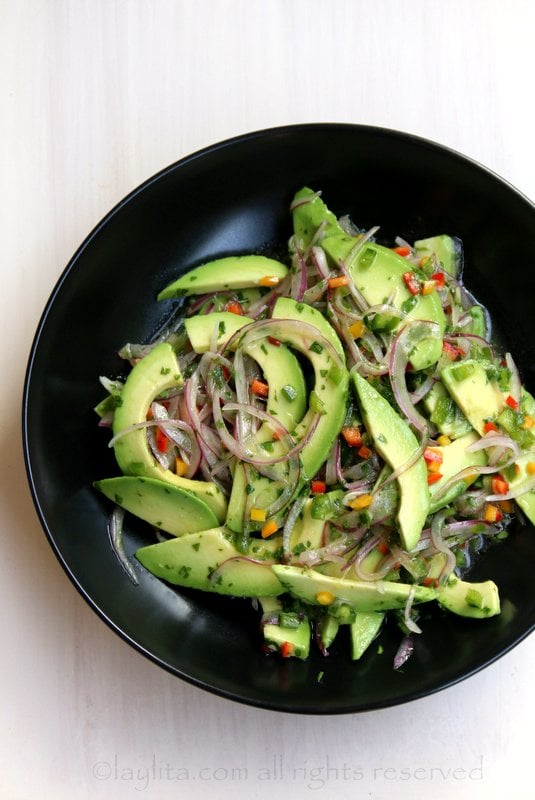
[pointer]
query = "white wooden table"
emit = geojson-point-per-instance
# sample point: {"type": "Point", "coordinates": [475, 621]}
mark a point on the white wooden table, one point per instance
{"type": "Point", "coordinates": [96, 96]}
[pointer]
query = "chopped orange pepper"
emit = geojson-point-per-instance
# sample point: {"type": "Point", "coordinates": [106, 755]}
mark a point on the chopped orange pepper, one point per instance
{"type": "Point", "coordinates": [233, 307]}
{"type": "Point", "coordinates": [451, 351]}
{"type": "Point", "coordinates": [428, 287]}
{"type": "Point", "coordinates": [352, 435]}
{"type": "Point", "coordinates": [489, 427]}
{"type": "Point", "coordinates": [362, 501]}
{"type": "Point", "coordinates": [499, 486]}
{"type": "Point", "coordinates": [269, 280]}
{"type": "Point", "coordinates": [412, 283]}
{"type": "Point", "coordinates": [162, 442]}
{"type": "Point", "coordinates": [402, 251]}
{"type": "Point", "coordinates": [530, 467]}
{"type": "Point", "coordinates": [286, 649]}
{"type": "Point", "coordinates": [433, 477]}
{"type": "Point", "coordinates": [433, 456]}
{"type": "Point", "coordinates": [336, 283]}
{"type": "Point", "coordinates": [269, 528]}
{"type": "Point", "coordinates": [180, 467]}
{"type": "Point", "coordinates": [259, 388]}
{"type": "Point", "coordinates": [432, 582]}
{"type": "Point", "coordinates": [511, 402]}
{"type": "Point", "coordinates": [506, 506]}
{"type": "Point", "coordinates": [325, 598]}
{"type": "Point", "coordinates": [357, 329]}
{"type": "Point", "coordinates": [492, 513]}
{"type": "Point", "coordinates": [528, 422]}
{"type": "Point", "coordinates": [364, 452]}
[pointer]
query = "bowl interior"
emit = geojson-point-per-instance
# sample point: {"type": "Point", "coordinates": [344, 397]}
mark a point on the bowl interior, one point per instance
{"type": "Point", "coordinates": [234, 198]}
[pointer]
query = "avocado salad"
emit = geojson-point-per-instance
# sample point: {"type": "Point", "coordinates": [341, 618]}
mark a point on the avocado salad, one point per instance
{"type": "Point", "coordinates": [332, 435]}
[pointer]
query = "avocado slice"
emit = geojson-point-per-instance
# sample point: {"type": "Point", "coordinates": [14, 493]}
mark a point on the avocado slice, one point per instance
{"type": "Point", "coordinates": [445, 413]}
{"type": "Point", "coordinates": [306, 584]}
{"type": "Point", "coordinates": [309, 214]}
{"type": "Point", "coordinates": [154, 374]}
{"type": "Point", "coordinates": [396, 443]}
{"type": "Point", "coordinates": [200, 328]}
{"type": "Point", "coordinates": [363, 631]}
{"type": "Point", "coordinates": [477, 600]}
{"type": "Point", "coordinates": [277, 637]}
{"type": "Point", "coordinates": [455, 457]}
{"type": "Point", "coordinates": [329, 628]}
{"type": "Point", "coordinates": [330, 380]}
{"type": "Point", "coordinates": [163, 505]}
{"type": "Point", "coordinates": [478, 396]}
{"type": "Point", "coordinates": [209, 561]}
{"type": "Point", "coordinates": [448, 251]}
{"type": "Point", "coordinates": [229, 273]}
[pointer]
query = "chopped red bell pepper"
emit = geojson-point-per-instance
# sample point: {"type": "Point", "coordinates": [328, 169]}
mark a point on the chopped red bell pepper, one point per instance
{"type": "Point", "coordinates": [412, 283]}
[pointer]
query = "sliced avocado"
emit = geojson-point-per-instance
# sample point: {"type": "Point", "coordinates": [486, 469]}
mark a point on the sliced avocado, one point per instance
{"type": "Point", "coordinates": [201, 327]}
{"type": "Point", "coordinates": [444, 412]}
{"type": "Point", "coordinates": [329, 628]}
{"type": "Point", "coordinates": [306, 584]}
{"type": "Point", "coordinates": [162, 504]}
{"type": "Point", "coordinates": [157, 372]}
{"type": "Point", "coordinates": [293, 638]}
{"type": "Point", "coordinates": [518, 477]}
{"type": "Point", "coordinates": [209, 561]}
{"type": "Point", "coordinates": [396, 443]}
{"type": "Point", "coordinates": [363, 631]}
{"type": "Point", "coordinates": [330, 380]}
{"type": "Point", "coordinates": [378, 274]}
{"type": "Point", "coordinates": [477, 600]}
{"type": "Point", "coordinates": [287, 402]}
{"type": "Point", "coordinates": [309, 214]}
{"type": "Point", "coordinates": [230, 273]}
{"type": "Point", "coordinates": [478, 324]}
{"type": "Point", "coordinates": [448, 251]}
{"type": "Point", "coordinates": [478, 396]}
{"type": "Point", "coordinates": [455, 457]}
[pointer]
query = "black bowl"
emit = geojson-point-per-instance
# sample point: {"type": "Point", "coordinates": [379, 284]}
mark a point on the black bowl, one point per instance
{"type": "Point", "coordinates": [232, 198]}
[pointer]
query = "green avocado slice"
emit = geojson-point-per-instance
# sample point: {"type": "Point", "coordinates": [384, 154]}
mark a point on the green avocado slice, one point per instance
{"type": "Point", "coordinates": [330, 380]}
{"type": "Point", "coordinates": [396, 443]}
{"type": "Point", "coordinates": [225, 274]}
{"type": "Point", "coordinates": [201, 327]}
{"type": "Point", "coordinates": [306, 584]}
{"type": "Point", "coordinates": [163, 505]}
{"type": "Point", "coordinates": [154, 374]}
{"type": "Point", "coordinates": [209, 561]}
{"type": "Point", "coordinates": [476, 600]}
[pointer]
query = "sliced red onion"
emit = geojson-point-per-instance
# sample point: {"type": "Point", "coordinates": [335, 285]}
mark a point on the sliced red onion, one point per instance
{"type": "Point", "coordinates": [409, 622]}
{"type": "Point", "coordinates": [289, 525]}
{"type": "Point", "coordinates": [423, 389]}
{"type": "Point", "coordinates": [115, 532]}
{"type": "Point", "coordinates": [319, 259]}
{"type": "Point", "coordinates": [403, 344]}
{"type": "Point", "coordinates": [440, 545]}
{"type": "Point", "coordinates": [299, 278]}
{"type": "Point", "coordinates": [404, 652]}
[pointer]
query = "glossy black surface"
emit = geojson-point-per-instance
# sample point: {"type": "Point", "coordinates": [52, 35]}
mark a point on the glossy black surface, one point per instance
{"type": "Point", "coordinates": [234, 197]}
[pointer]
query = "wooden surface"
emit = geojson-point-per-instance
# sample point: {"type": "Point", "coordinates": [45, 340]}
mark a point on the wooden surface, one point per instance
{"type": "Point", "coordinates": [96, 96]}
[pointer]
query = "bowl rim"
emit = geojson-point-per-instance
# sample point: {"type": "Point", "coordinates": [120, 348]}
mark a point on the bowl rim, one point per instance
{"type": "Point", "coordinates": [231, 142]}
